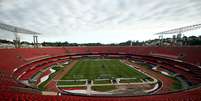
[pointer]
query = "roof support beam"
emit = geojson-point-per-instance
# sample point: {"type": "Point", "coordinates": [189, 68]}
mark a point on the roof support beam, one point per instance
{"type": "Point", "coordinates": [17, 31]}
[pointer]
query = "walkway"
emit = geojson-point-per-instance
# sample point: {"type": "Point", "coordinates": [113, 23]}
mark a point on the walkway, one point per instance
{"type": "Point", "coordinates": [167, 82]}
{"type": "Point", "coordinates": [52, 84]}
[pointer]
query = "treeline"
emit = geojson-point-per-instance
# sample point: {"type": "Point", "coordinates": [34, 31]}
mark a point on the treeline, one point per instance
{"type": "Point", "coordinates": [185, 41]}
{"type": "Point", "coordinates": [6, 41]}
{"type": "Point", "coordinates": [60, 44]}
{"type": "Point", "coordinates": [12, 42]}
{"type": "Point", "coordinates": [190, 41]}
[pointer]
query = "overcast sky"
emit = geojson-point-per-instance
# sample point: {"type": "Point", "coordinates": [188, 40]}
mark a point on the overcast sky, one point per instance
{"type": "Point", "coordinates": [105, 21]}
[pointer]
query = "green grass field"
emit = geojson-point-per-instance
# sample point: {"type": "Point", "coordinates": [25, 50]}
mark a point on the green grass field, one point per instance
{"type": "Point", "coordinates": [102, 81]}
{"type": "Point", "coordinates": [72, 82]}
{"type": "Point", "coordinates": [103, 88]}
{"type": "Point", "coordinates": [102, 69]}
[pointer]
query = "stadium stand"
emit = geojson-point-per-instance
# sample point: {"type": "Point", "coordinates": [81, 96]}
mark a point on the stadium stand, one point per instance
{"type": "Point", "coordinates": [16, 61]}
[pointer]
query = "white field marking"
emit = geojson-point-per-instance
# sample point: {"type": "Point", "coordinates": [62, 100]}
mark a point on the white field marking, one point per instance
{"type": "Point", "coordinates": [101, 79]}
{"type": "Point", "coordinates": [107, 84]}
{"type": "Point", "coordinates": [86, 92]}
{"type": "Point", "coordinates": [143, 82]}
{"type": "Point", "coordinates": [153, 89]}
{"type": "Point", "coordinates": [155, 80]}
{"type": "Point", "coordinates": [92, 82]}
{"type": "Point", "coordinates": [177, 60]}
{"type": "Point", "coordinates": [72, 80]}
{"type": "Point", "coordinates": [96, 92]}
{"type": "Point", "coordinates": [158, 89]}
{"type": "Point", "coordinates": [118, 80]}
{"type": "Point", "coordinates": [96, 59]}
{"type": "Point", "coordinates": [147, 82]}
{"type": "Point", "coordinates": [77, 91]}
{"type": "Point", "coordinates": [88, 89]}
{"type": "Point", "coordinates": [85, 80]}
{"type": "Point", "coordinates": [70, 85]}
{"type": "Point", "coordinates": [126, 78]}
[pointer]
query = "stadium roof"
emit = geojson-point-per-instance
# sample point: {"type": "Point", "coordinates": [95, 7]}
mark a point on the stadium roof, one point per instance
{"type": "Point", "coordinates": [16, 29]}
{"type": "Point", "coordinates": [103, 21]}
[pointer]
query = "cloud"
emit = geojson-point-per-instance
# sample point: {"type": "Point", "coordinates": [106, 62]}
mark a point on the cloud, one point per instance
{"type": "Point", "coordinates": [66, 19]}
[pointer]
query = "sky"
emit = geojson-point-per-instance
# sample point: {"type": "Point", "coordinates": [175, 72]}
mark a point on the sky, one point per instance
{"type": "Point", "coordinates": [104, 21]}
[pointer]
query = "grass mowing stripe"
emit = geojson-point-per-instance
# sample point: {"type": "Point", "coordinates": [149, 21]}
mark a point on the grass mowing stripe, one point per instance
{"type": "Point", "coordinates": [102, 68]}
{"type": "Point", "coordinates": [103, 88]}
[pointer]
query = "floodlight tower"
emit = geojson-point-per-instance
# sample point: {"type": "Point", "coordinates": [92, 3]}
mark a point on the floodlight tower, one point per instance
{"type": "Point", "coordinates": [178, 31]}
{"type": "Point", "coordinates": [131, 44]}
{"type": "Point", "coordinates": [17, 40]}
{"type": "Point", "coordinates": [17, 31]}
{"type": "Point", "coordinates": [35, 40]}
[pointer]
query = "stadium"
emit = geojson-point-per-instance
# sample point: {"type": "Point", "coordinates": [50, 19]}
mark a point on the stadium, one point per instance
{"type": "Point", "coordinates": [160, 69]}
{"type": "Point", "coordinates": [153, 76]}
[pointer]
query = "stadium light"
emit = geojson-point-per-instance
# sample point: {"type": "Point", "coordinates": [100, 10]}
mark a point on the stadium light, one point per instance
{"type": "Point", "coordinates": [178, 31]}
{"type": "Point", "coordinates": [17, 31]}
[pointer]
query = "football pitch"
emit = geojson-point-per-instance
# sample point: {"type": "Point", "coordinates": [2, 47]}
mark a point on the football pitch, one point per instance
{"type": "Point", "coordinates": [92, 69]}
